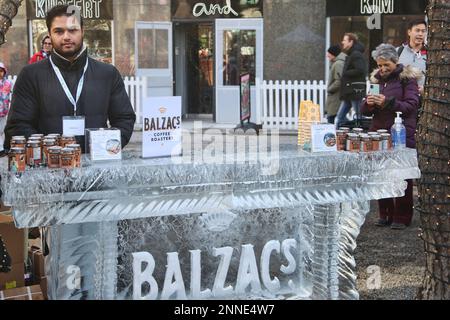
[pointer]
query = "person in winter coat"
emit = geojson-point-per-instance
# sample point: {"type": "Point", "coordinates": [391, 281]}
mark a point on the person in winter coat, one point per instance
{"type": "Point", "coordinates": [399, 92]}
{"type": "Point", "coordinates": [69, 83]}
{"type": "Point", "coordinates": [353, 81]}
{"type": "Point", "coordinates": [5, 96]}
{"type": "Point", "coordinates": [337, 58]}
{"type": "Point", "coordinates": [44, 52]}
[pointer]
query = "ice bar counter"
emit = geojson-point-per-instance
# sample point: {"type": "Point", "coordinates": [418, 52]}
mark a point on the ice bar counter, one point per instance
{"type": "Point", "coordinates": [279, 227]}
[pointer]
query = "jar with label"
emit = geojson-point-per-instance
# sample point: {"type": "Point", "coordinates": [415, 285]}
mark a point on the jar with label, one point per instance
{"type": "Point", "coordinates": [77, 151]}
{"type": "Point", "coordinates": [54, 157]}
{"type": "Point", "coordinates": [386, 141]}
{"type": "Point", "coordinates": [47, 143]}
{"type": "Point", "coordinates": [353, 142]}
{"type": "Point", "coordinates": [376, 142]}
{"type": "Point", "coordinates": [18, 142]}
{"type": "Point", "coordinates": [341, 140]}
{"type": "Point", "coordinates": [65, 140]}
{"type": "Point", "coordinates": [34, 153]}
{"type": "Point", "coordinates": [16, 159]}
{"type": "Point", "coordinates": [36, 139]}
{"type": "Point", "coordinates": [67, 158]}
{"type": "Point", "coordinates": [366, 143]}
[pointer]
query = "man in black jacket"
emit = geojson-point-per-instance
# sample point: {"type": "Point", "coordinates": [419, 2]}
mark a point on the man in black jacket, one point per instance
{"type": "Point", "coordinates": [68, 84]}
{"type": "Point", "coordinates": [353, 81]}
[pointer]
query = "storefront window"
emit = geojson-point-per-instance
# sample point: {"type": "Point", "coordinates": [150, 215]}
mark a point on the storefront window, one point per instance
{"type": "Point", "coordinates": [395, 28]}
{"type": "Point", "coordinates": [97, 38]}
{"type": "Point", "coordinates": [357, 25]}
{"type": "Point", "coordinates": [126, 14]}
{"type": "Point", "coordinates": [239, 55]}
{"type": "Point", "coordinates": [152, 49]}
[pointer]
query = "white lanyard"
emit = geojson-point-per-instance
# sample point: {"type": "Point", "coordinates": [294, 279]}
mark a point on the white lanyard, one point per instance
{"type": "Point", "coordinates": [66, 88]}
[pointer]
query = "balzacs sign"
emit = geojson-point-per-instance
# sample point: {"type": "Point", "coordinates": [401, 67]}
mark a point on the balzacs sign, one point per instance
{"type": "Point", "coordinates": [161, 136]}
{"type": "Point", "coordinates": [90, 9]}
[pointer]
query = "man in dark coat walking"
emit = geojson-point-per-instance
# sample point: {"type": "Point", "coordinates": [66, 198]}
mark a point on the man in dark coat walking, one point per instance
{"type": "Point", "coordinates": [353, 81]}
{"type": "Point", "coordinates": [69, 83]}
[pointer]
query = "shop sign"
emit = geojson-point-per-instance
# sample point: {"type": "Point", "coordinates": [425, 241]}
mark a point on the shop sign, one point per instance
{"type": "Point", "coordinates": [161, 136]}
{"type": "Point", "coordinates": [197, 9]}
{"type": "Point", "coordinates": [349, 8]}
{"type": "Point", "coordinates": [90, 9]}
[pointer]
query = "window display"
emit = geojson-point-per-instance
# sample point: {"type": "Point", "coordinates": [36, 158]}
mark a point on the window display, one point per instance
{"type": "Point", "coordinates": [239, 55]}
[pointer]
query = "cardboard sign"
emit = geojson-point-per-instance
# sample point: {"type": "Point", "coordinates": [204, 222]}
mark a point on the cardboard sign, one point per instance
{"type": "Point", "coordinates": [104, 144]}
{"type": "Point", "coordinates": [161, 136]}
{"type": "Point", "coordinates": [323, 138]}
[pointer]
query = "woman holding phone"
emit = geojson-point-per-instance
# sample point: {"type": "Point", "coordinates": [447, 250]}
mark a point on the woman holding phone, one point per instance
{"type": "Point", "coordinates": [397, 91]}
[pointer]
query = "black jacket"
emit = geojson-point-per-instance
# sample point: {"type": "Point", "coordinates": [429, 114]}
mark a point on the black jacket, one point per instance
{"type": "Point", "coordinates": [39, 101]}
{"type": "Point", "coordinates": [355, 71]}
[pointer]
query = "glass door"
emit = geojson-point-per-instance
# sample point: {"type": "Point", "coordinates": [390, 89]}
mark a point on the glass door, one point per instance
{"type": "Point", "coordinates": [239, 50]}
{"type": "Point", "coordinates": [153, 56]}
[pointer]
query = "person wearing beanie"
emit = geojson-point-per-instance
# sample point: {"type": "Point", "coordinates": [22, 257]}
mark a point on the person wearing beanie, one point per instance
{"type": "Point", "coordinates": [337, 61]}
{"type": "Point", "coordinates": [5, 97]}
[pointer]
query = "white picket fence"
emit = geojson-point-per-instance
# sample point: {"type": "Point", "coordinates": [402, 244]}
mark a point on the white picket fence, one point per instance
{"type": "Point", "coordinates": [280, 101]}
{"type": "Point", "coordinates": [134, 86]}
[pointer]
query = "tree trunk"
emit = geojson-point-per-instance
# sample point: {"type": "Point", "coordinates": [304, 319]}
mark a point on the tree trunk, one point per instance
{"type": "Point", "coordinates": [8, 10]}
{"type": "Point", "coordinates": [433, 136]}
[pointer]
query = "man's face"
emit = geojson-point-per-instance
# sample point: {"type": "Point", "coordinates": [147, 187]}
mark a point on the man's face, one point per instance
{"type": "Point", "coordinates": [331, 57]}
{"type": "Point", "coordinates": [67, 36]}
{"type": "Point", "coordinates": [417, 35]}
{"type": "Point", "coordinates": [346, 43]}
{"type": "Point", "coordinates": [47, 45]}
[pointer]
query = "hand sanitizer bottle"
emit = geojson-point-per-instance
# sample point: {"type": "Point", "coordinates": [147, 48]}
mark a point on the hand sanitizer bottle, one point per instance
{"type": "Point", "coordinates": [398, 133]}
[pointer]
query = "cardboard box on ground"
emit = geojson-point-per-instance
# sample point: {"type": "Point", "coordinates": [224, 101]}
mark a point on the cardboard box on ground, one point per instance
{"type": "Point", "coordinates": [23, 293]}
{"type": "Point", "coordinates": [14, 242]}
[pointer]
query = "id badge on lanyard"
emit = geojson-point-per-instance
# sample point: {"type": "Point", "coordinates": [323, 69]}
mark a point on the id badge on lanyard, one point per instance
{"type": "Point", "coordinates": [72, 125]}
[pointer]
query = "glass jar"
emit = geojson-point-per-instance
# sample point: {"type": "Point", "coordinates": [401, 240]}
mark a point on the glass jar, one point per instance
{"type": "Point", "coordinates": [358, 130]}
{"type": "Point", "coordinates": [16, 159]}
{"type": "Point", "coordinates": [353, 142]}
{"type": "Point", "coordinates": [47, 143]}
{"type": "Point", "coordinates": [37, 135]}
{"type": "Point", "coordinates": [18, 142]}
{"type": "Point", "coordinates": [65, 140]}
{"type": "Point", "coordinates": [341, 136]}
{"type": "Point", "coordinates": [67, 158]}
{"type": "Point", "coordinates": [366, 143]}
{"type": "Point", "coordinates": [77, 151]}
{"type": "Point", "coordinates": [34, 153]}
{"type": "Point", "coordinates": [386, 141]}
{"type": "Point", "coordinates": [381, 131]}
{"type": "Point", "coordinates": [54, 157]}
{"type": "Point", "coordinates": [376, 142]}
{"type": "Point", "coordinates": [55, 136]}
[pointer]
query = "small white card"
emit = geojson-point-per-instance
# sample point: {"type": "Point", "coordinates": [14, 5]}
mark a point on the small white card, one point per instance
{"type": "Point", "coordinates": [323, 138]}
{"type": "Point", "coordinates": [73, 126]}
{"type": "Point", "coordinates": [105, 144]}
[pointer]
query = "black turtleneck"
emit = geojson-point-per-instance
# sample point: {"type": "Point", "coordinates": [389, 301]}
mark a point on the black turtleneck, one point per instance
{"type": "Point", "coordinates": [71, 71]}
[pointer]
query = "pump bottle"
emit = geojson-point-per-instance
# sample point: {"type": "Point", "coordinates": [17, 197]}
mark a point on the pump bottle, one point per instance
{"type": "Point", "coordinates": [398, 133]}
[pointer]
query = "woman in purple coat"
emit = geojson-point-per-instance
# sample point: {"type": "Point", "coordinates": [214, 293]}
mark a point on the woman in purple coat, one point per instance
{"type": "Point", "coordinates": [399, 91]}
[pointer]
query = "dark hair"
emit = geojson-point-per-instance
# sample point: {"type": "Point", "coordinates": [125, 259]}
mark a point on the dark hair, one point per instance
{"type": "Point", "coordinates": [414, 23]}
{"type": "Point", "coordinates": [62, 10]}
{"type": "Point", "coordinates": [352, 37]}
{"type": "Point", "coordinates": [44, 38]}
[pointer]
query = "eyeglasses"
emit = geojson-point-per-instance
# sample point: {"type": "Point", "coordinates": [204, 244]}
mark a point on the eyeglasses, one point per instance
{"type": "Point", "coordinates": [48, 43]}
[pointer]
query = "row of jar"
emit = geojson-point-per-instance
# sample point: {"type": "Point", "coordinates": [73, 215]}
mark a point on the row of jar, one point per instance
{"type": "Point", "coordinates": [356, 140]}
{"type": "Point", "coordinates": [52, 151]}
